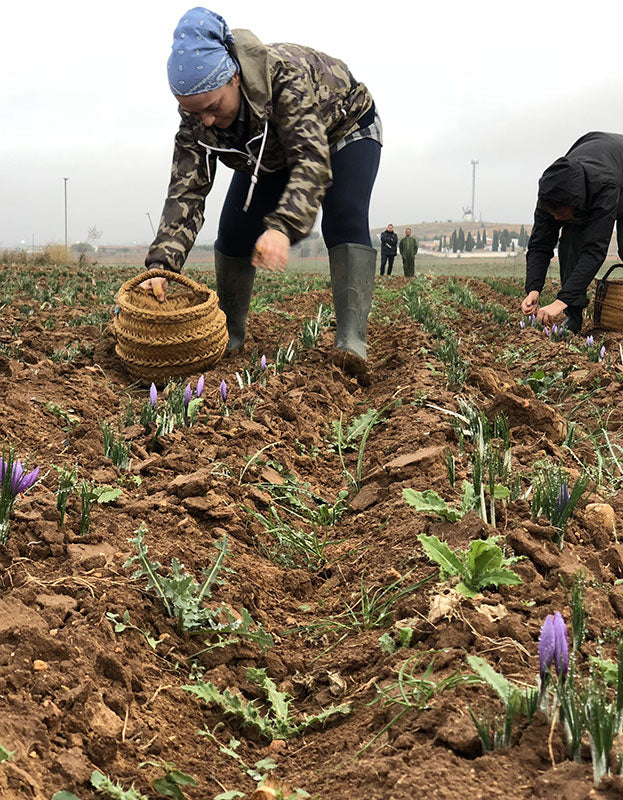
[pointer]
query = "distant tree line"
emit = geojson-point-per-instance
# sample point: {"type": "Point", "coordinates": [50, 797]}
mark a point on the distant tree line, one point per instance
{"type": "Point", "coordinates": [500, 242]}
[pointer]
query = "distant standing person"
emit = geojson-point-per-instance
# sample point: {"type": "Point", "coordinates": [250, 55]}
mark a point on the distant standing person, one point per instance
{"type": "Point", "coordinates": [389, 248]}
{"type": "Point", "coordinates": [408, 251]}
{"type": "Point", "coordinates": [582, 193]}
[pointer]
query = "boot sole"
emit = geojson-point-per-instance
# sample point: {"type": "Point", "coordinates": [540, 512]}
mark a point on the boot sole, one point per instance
{"type": "Point", "coordinates": [352, 365]}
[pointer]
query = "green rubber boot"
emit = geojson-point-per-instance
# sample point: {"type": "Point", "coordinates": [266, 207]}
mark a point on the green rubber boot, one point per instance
{"type": "Point", "coordinates": [352, 283]}
{"type": "Point", "coordinates": [234, 286]}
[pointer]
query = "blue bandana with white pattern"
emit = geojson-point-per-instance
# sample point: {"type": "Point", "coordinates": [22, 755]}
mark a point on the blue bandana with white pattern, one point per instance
{"type": "Point", "coordinates": [199, 60]}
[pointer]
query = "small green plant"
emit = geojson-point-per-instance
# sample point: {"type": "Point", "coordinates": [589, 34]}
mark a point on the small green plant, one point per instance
{"type": "Point", "coordinates": [518, 701]}
{"type": "Point", "coordinates": [124, 624]}
{"type": "Point", "coordinates": [540, 382]}
{"type": "Point", "coordinates": [360, 428]}
{"type": "Point", "coordinates": [171, 784]}
{"type": "Point", "coordinates": [372, 608]}
{"type": "Point", "coordinates": [67, 482]}
{"type": "Point", "coordinates": [552, 498]}
{"type": "Point", "coordinates": [429, 502]}
{"type": "Point", "coordinates": [184, 599]}
{"type": "Point", "coordinates": [578, 610]}
{"type": "Point", "coordinates": [258, 772]}
{"type": "Point", "coordinates": [312, 328]}
{"type": "Point", "coordinates": [115, 448]}
{"type": "Point", "coordinates": [294, 546]}
{"type": "Point", "coordinates": [90, 494]}
{"type": "Point", "coordinates": [284, 357]}
{"type": "Point", "coordinates": [277, 721]}
{"type": "Point", "coordinates": [104, 785]}
{"type": "Point", "coordinates": [412, 692]}
{"type": "Point", "coordinates": [5, 755]}
{"type": "Point", "coordinates": [67, 417]}
{"type": "Point", "coordinates": [482, 565]}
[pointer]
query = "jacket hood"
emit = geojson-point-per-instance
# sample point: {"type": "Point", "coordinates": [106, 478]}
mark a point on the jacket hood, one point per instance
{"type": "Point", "coordinates": [256, 86]}
{"type": "Point", "coordinates": [564, 184]}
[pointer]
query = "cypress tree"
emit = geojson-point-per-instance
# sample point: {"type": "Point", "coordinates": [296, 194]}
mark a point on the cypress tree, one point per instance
{"type": "Point", "coordinates": [496, 242]}
{"type": "Point", "coordinates": [460, 240]}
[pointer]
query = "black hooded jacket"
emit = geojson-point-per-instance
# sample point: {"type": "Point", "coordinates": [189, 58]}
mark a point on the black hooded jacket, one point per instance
{"type": "Point", "coordinates": [590, 179]}
{"type": "Point", "coordinates": [389, 243]}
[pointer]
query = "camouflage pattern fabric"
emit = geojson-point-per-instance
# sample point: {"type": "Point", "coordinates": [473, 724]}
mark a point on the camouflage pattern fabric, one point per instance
{"type": "Point", "coordinates": [309, 101]}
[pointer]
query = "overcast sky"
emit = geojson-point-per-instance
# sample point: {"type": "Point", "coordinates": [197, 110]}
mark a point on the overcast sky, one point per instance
{"type": "Point", "coordinates": [84, 95]}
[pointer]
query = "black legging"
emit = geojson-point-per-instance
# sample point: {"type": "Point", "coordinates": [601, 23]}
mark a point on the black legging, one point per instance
{"type": "Point", "coordinates": [344, 210]}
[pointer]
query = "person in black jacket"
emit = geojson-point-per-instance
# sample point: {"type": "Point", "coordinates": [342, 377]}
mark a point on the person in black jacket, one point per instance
{"type": "Point", "coordinates": [582, 193]}
{"type": "Point", "coordinates": [389, 248]}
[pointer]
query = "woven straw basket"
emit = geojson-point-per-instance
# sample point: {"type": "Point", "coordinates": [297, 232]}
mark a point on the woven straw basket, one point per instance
{"type": "Point", "coordinates": [609, 302]}
{"type": "Point", "coordinates": [178, 337]}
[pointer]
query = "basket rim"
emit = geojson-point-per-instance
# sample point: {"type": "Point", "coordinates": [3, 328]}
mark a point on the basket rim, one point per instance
{"type": "Point", "coordinates": [162, 315]}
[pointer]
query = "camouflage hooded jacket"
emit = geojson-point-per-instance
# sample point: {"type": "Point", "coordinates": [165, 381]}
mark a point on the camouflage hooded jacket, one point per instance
{"type": "Point", "coordinates": [301, 102]}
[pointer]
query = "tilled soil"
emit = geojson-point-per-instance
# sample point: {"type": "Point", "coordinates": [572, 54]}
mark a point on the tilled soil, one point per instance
{"type": "Point", "coordinates": [76, 696]}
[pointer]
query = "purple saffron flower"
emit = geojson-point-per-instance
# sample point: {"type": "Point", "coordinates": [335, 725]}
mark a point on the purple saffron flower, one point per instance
{"type": "Point", "coordinates": [590, 341]}
{"type": "Point", "coordinates": [546, 331]}
{"type": "Point", "coordinates": [223, 391]}
{"type": "Point", "coordinates": [153, 395]}
{"type": "Point", "coordinates": [546, 647]}
{"type": "Point", "coordinates": [564, 495]}
{"type": "Point", "coordinates": [263, 363]}
{"type": "Point", "coordinates": [554, 329]}
{"type": "Point", "coordinates": [200, 385]}
{"type": "Point", "coordinates": [602, 352]}
{"type": "Point", "coordinates": [188, 393]}
{"type": "Point", "coordinates": [20, 481]}
{"type": "Point", "coordinates": [553, 647]}
{"type": "Point", "coordinates": [522, 324]}
{"type": "Point", "coordinates": [561, 645]}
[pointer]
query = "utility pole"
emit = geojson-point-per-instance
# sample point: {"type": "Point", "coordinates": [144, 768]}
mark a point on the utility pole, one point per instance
{"type": "Point", "coordinates": [66, 179]}
{"type": "Point", "coordinates": [474, 190]}
{"type": "Point", "coordinates": [151, 223]}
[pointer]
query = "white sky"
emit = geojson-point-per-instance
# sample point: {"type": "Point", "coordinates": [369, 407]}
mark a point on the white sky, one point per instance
{"type": "Point", "coordinates": [84, 95]}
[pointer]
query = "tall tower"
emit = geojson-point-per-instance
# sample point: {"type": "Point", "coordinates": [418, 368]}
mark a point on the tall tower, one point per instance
{"type": "Point", "coordinates": [474, 190]}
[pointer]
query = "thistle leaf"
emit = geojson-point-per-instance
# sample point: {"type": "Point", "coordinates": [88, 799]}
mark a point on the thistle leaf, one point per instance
{"type": "Point", "coordinates": [440, 553]}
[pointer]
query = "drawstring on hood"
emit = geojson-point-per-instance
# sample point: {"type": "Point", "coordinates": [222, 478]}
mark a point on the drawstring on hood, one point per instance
{"type": "Point", "coordinates": [256, 170]}
{"type": "Point", "coordinates": [258, 161]}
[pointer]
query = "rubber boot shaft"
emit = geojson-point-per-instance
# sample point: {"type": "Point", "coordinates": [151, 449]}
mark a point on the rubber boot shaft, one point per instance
{"type": "Point", "coordinates": [352, 283]}
{"type": "Point", "coordinates": [234, 286]}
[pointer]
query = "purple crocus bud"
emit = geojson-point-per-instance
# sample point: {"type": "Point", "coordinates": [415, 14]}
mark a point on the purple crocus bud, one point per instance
{"type": "Point", "coordinates": [554, 329]}
{"type": "Point", "coordinates": [223, 391]}
{"type": "Point", "coordinates": [188, 393]}
{"type": "Point", "coordinates": [263, 363]}
{"type": "Point", "coordinates": [564, 495]}
{"type": "Point", "coordinates": [153, 395]}
{"type": "Point", "coordinates": [590, 341]}
{"type": "Point", "coordinates": [602, 352]}
{"type": "Point", "coordinates": [522, 324]}
{"type": "Point", "coordinates": [20, 482]}
{"type": "Point", "coordinates": [546, 647]}
{"type": "Point", "coordinates": [546, 331]}
{"type": "Point", "coordinates": [200, 385]}
{"type": "Point", "coordinates": [561, 645]}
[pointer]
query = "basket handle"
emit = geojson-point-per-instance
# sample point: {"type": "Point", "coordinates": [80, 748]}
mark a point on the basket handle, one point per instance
{"type": "Point", "coordinates": [605, 277]}
{"type": "Point", "coordinates": [189, 283]}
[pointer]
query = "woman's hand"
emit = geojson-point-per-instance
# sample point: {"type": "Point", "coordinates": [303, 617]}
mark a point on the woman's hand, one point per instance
{"type": "Point", "coordinates": [530, 303]}
{"type": "Point", "coordinates": [157, 285]}
{"type": "Point", "coordinates": [271, 251]}
{"type": "Point", "coordinates": [548, 314]}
